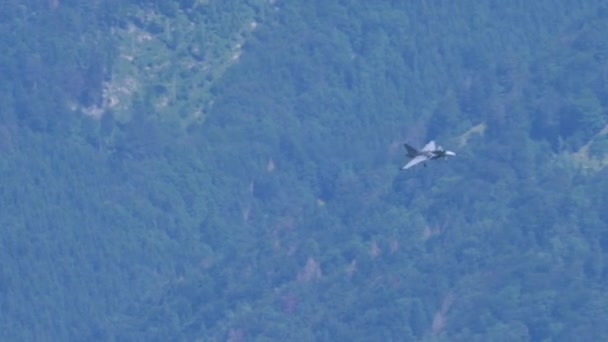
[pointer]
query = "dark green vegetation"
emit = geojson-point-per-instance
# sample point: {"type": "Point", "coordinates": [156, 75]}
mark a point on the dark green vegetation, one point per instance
{"type": "Point", "coordinates": [283, 215]}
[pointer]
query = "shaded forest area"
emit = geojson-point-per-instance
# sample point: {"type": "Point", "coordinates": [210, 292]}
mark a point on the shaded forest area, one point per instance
{"type": "Point", "coordinates": [283, 216]}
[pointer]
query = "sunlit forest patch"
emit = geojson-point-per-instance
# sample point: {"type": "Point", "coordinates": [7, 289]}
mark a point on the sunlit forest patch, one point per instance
{"type": "Point", "coordinates": [475, 130]}
{"type": "Point", "coordinates": [175, 54]}
{"type": "Point", "coordinates": [594, 153]}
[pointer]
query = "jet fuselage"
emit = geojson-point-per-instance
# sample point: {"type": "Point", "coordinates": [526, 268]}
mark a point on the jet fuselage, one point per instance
{"type": "Point", "coordinates": [429, 152]}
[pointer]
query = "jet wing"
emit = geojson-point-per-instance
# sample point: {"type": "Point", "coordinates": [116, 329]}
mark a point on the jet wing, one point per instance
{"type": "Point", "coordinates": [416, 160]}
{"type": "Point", "coordinates": [429, 147]}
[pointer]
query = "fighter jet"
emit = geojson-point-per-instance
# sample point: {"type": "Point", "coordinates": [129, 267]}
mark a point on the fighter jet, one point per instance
{"type": "Point", "coordinates": [429, 152]}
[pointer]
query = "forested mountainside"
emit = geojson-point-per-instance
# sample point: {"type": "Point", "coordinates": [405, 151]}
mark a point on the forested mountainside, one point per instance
{"type": "Point", "coordinates": [229, 170]}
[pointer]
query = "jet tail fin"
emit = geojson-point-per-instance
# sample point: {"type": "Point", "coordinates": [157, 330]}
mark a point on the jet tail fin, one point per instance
{"type": "Point", "coordinates": [411, 152]}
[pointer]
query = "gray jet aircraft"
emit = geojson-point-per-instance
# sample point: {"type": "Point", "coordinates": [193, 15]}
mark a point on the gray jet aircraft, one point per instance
{"type": "Point", "coordinates": [429, 152]}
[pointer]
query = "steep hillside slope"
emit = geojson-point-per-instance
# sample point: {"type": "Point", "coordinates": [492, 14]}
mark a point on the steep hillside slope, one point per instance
{"type": "Point", "coordinates": [259, 197]}
{"type": "Point", "coordinates": [329, 241]}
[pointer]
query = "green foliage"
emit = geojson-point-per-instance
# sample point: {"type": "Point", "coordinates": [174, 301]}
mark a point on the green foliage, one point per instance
{"type": "Point", "coordinates": [279, 212]}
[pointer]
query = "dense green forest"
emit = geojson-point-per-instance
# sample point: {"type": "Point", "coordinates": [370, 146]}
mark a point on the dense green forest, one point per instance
{"type": "Point", "coordinates": [229, 170]}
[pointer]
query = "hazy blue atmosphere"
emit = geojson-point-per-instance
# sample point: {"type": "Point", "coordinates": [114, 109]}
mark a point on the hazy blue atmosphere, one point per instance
{"type": "Point", "coordinates": [189, 170]}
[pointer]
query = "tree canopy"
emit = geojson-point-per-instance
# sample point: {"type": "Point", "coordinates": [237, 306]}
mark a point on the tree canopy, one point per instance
{"type": "Point", "coordinates": [229, 170]}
